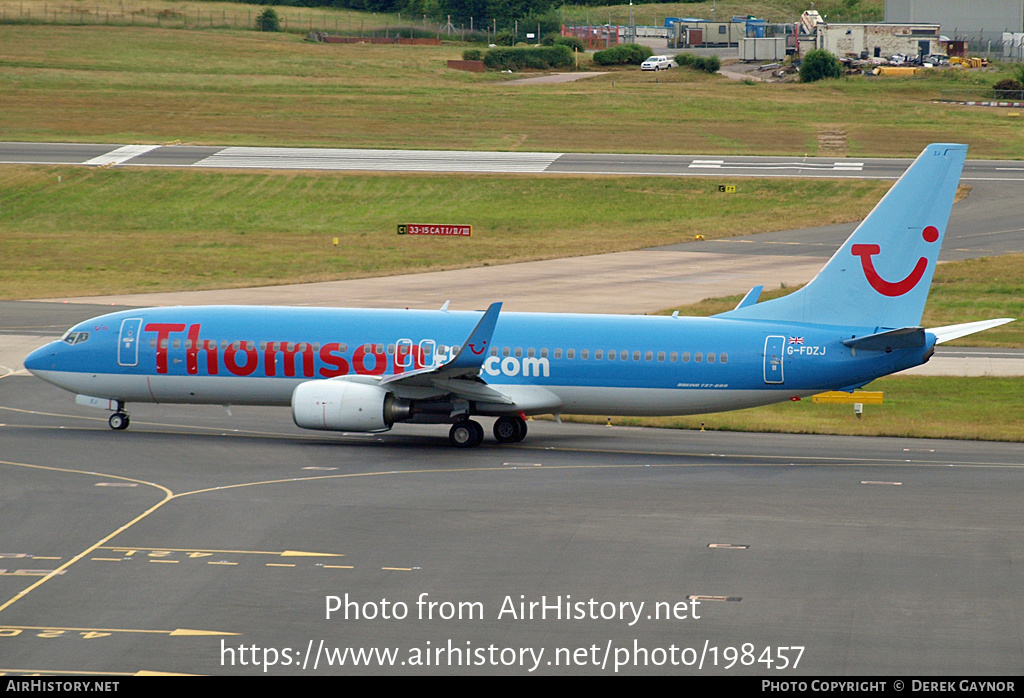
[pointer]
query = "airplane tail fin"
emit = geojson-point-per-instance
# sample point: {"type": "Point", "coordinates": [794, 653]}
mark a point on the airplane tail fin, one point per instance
{"type": "Point", "coordinates": [881, 275]}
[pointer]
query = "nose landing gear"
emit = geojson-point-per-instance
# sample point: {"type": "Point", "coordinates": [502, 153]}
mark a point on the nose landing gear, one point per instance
{"type": "Point", "coordinates": [119, 420]}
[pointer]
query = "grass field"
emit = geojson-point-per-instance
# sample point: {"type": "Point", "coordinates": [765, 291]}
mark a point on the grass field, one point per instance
{"type": "Point", "coordinates": [68, 83]}
{"type": "Point", "coordinates": [189, 229]}
{"type": "Point", "coordinates": [987, 409]}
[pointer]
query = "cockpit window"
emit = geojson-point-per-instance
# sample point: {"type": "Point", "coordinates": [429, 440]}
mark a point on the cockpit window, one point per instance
{"type": "Point", "coordinates": [75, 337]}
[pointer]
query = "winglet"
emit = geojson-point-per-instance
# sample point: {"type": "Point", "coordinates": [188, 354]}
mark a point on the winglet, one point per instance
{"type": "Point", "coordinates": [473, 352]}
{"type": "Point", "coordinates": [751, 298]}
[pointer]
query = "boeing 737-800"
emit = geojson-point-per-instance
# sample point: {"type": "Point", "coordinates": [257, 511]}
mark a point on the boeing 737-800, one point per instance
{"type": "Point", "coordinates": [360, 370]}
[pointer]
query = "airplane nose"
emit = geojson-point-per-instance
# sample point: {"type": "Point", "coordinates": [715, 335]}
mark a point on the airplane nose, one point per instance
{"type": "Point", "coordinates": [41, 359]}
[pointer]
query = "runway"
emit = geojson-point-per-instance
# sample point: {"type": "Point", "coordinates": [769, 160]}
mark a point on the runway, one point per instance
{"type": "Point", "coordinates": [173, 546]}
{"type": "Point", "coordinates": [341, 159]}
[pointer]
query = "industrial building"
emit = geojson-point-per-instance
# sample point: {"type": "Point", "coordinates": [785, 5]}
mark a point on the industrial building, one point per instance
{"type": "Point", "coordinates": [970, 20]}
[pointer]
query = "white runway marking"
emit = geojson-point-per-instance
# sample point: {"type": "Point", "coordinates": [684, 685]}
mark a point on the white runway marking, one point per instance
{"type": "Point", "coordinates": [120, 155]}
{"type": "Point", "coordinates": [723, 165]}
{"type": "Point", "coordinates": [379, 160]}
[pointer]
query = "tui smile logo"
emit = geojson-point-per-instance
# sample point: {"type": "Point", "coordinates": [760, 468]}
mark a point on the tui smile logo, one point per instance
{"type": "Point", "coordinates": [893, 288]}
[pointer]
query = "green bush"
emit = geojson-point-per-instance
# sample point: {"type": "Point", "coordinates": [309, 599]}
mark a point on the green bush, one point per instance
{"type": "Point", "coordinates": [472, 54]}
{"type": "Point", "coordinates": [504, 38]}
{"type": "Point", "coordinates": [542, 58]}
{"type": "Point", "coordinates": [623, 54]}
{"type": "Point", "coordinates": [268, 21]}
{"type": "Point", "coordinates": [818, 65]}
{"type": "Point", "coordinates": [572, 42]}
{"type": "Point", "coordinates": [712, 64]}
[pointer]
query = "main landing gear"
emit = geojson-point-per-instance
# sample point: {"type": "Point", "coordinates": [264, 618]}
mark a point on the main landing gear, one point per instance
{"type": "Point", "coordinates": [119, 420]}
{"type": "Point", "coordinates": [509, 429]}
{"type": "Point", "coordinates": [467, 433]}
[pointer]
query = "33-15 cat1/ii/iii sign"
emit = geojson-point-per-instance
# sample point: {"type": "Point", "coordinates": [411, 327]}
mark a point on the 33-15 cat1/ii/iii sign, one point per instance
{"type": "Point", "coordinates": [446, 230]}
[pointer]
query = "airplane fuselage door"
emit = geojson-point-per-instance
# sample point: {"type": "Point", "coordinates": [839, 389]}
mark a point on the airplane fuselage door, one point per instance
{"type": "Point", "coordinates": [128, 342]}
{"type": "Point", "coordinates": [428, 350]}
{"type": "Point", "coordinates": [403, 354]}
{"type": "Point", "coordinates": [773, 353]}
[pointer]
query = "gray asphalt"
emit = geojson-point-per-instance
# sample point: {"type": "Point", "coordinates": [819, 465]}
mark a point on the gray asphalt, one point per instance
{"type": "Point", "coordinates": [877, 556]}
{"type": "Point", "coordinates": [1007, 171]}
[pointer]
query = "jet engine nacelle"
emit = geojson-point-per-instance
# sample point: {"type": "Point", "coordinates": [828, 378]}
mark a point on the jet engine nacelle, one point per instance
{"type": "Point", "coordinates": [334, 405]}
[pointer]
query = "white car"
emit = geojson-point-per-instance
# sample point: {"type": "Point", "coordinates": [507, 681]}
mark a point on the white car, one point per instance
{"type": "Point", "coordinates": [657, 63]}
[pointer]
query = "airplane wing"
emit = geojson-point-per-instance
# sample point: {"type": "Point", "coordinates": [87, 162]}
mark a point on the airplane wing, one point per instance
{"type": "Point", "coordinates": [460, 375]}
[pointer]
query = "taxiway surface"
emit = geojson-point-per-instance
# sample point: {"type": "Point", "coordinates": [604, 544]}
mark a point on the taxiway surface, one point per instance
{"type": "Point", "coordinates": [183, 543]}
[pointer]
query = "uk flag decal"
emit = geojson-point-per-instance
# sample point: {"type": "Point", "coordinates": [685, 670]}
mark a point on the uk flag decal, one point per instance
{"type": "Point", "coordinates": [796, 340]}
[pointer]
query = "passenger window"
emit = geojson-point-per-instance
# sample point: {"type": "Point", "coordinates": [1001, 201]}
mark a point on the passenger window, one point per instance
{"type": "Point", "coordinates": [661, 356]}
{"type": "Point", "coordinates": [494, 351]}
{"type": "Point", "coordinates": [649, 356]}
{"type": "Point", "coordinates": [558, 353]}
{"type": "Point", "coordinates": [531, 352]}
{"type": "Point", "coordinates": [698, 357]}
{"type": "Point", "coordinates": [611, 355]}
{"type": "Point", "coordinates": [391, 350]}
{"type": "Point", "coordinates": [505, 351]}
{"type": "Point", "coordinates": [519, 351]}
{"type": "Point", "coordinates": [584, 353]}
{"type": "Point", "coordinates": [598, 354]}
{"type": "Point", "coordinates": [723, 357]}
{"type": "Point", "coordinates": [544, 353]}
{"type": "Point", "coordinates": [686, 357]}
{"type": "Point", "coordinates": [673, 357]}
{"type": "Point", "coordinates": [636, 356]}
{"type": "Point", "coordinates": [570, 353]}
{"type": "Point", "coordinates": [711, 358]}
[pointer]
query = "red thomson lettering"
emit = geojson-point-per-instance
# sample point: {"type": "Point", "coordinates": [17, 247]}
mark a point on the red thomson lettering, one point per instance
{"type": "Point", "coordinates": [163, 331]}
{"type": "Point", "coordinates": [359, 360]}
{"type": "Point", "coordinates": [192, 349]}
{"type": "Point", "coordinates": [330, 355]}
{"type": "Point", "coordinates": [288, 350]}
{"type": "Point", "coordinates": [252, 358]}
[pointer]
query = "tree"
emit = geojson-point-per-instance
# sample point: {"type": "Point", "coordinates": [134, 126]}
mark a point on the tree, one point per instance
{"type": "Point", "coordinates": [819, 64]}
{"type": "Point", "coordinates": [268, 21]}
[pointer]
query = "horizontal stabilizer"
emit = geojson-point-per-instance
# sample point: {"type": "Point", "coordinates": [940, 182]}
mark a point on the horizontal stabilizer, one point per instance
{"type": "Point", "coordinates": [951, 332]}
{"type": "Point", "coordinates": [903, 338]}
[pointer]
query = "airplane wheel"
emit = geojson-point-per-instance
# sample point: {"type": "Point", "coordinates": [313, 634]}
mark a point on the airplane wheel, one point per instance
{"type": "Point", "coordinates": [118, 421]}
{"type": "Point", "coordinates": [506, 429]}
{"type": "Point", "coordinates": [466, 434]}
{"type": "Point", "coordinates": [521, 423]}
{"type": "Point", "coordinates": [509, 430]}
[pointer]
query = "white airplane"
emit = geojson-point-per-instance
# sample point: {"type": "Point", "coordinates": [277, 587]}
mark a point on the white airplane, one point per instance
{"type": "Point", "coordinates": [362, 370]}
